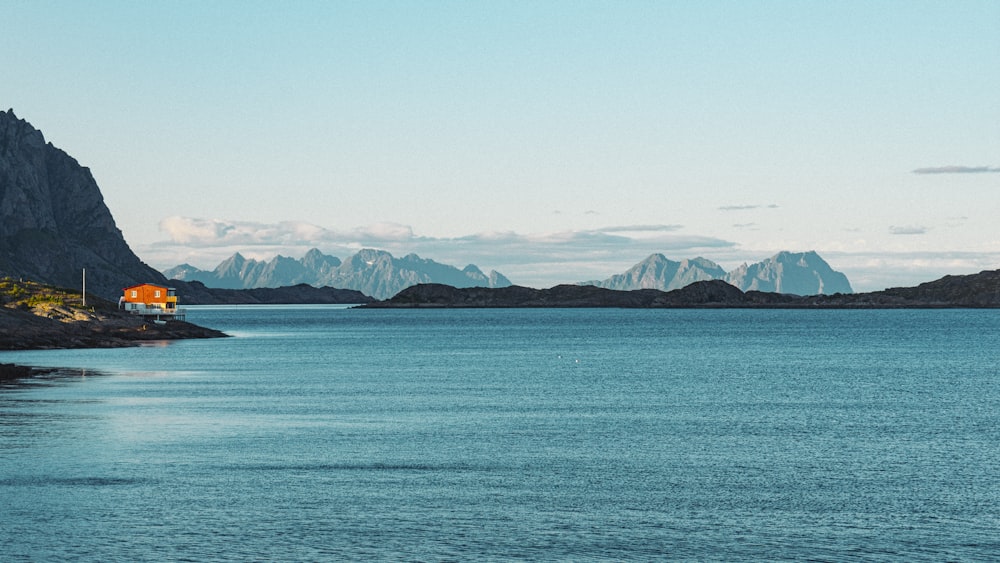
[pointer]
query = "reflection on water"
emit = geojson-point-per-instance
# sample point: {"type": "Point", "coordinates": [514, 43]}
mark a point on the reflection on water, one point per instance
{"type": "Point", "coordinates": [154, 343]}
{"type": "Point", "coordinates": [14, 376]}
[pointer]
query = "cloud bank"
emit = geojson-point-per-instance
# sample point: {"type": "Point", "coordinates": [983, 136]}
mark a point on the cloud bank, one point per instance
{"type": "Point", "coordinates": [197, 232]}
{"type": "Point", "coordinates": [747, 207]}
{"type": "Point", "coordinates": [958, 170]}
{"type": "Point", "coordinates": [539, 259]}
{"type": "Point", "coordinates": [908, 230]}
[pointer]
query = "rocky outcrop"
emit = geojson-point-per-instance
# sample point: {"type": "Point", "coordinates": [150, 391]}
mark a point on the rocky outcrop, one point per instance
{"type": "Point", "coordinates": [372, 272]}
{"type": "Point", "coordinates": [797, 273]}
{"type": "Point", "coordinates": [53, 219]}
{"type": "Point", "coordinates": [976, 290]}
{"type": "Point", "coordinates": [196, 293]}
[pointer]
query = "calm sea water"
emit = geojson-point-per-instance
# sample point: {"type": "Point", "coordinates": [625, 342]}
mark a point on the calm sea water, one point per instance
{"type": "Point", "coordinates": [324, 433]}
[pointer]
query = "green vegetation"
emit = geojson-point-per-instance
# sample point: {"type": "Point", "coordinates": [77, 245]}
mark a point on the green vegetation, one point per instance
{"type": "Point", "coordinates": [29, 295]}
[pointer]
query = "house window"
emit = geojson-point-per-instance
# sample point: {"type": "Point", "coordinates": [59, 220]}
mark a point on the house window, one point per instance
{"type": "Point", "coordinates": [134, 294]}
{"type": "Point", "coordinates": [157, 294]}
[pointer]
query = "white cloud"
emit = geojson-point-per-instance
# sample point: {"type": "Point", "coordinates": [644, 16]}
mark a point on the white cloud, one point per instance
{"type": "Point", "coordinates": [747, 207]}
{"type": "Point", "coordinates": [908, 230]}
{"type": "Point", "coordinates": [958, 170]}
{"type": "Point", "coordinates": [387, 232]}
{"type": "Point", "coordinates": [216, 232]}
{"type": "Point", "coordinates": [184, 230]}
{"type": "Point", "coordinates": [642, 228]}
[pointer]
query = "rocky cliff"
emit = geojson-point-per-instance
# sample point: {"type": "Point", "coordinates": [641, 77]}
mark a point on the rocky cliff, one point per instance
{"type": "Point", "coordinates": [53, 219]}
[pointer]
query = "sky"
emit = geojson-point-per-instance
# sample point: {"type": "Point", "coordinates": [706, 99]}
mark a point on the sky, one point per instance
{"type": "Point", "coordinates": [551, 141]}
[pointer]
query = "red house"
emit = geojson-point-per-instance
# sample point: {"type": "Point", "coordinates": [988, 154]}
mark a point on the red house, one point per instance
{"type": "Point", "coordinates": [151, 300]}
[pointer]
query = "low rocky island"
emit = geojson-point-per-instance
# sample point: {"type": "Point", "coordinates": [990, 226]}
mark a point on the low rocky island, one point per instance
{"type": "Point", "coordinates": [196, 293]}
{"type": "Point", "coordinates": [980, 290]}
{"type": "Point", "coordinates": [38, 316]}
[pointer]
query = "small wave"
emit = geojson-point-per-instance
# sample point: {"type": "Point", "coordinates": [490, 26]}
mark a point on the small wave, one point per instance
{"type": "Point", "coordinates": [447, 467]}
{"type": "Point", "coordinates": [69, 481]}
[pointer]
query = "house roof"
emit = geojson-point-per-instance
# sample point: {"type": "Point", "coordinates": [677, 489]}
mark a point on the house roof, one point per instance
{"type": "Point", "coordinates": [149, 284]}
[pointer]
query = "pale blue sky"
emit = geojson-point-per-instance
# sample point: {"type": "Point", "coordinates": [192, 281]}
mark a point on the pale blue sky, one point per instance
{"type": "Point", "coordinates": [552, 141]}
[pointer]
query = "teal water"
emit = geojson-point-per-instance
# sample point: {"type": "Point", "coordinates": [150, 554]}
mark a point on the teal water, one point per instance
{"type": "Point", "coordinates": [325, 433]}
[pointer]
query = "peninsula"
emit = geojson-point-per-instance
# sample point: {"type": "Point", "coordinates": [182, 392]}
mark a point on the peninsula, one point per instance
{"type": "Point", "coordinates": [37, 316]}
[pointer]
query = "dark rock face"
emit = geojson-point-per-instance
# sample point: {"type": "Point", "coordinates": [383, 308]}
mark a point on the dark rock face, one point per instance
{"type": "Point", "coordinates": [53, 220]}
{"type": "Point", "coordinates": [372, 272]}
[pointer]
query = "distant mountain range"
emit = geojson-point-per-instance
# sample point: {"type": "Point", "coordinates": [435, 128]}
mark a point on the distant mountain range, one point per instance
{"type": "Point", "coordinates": [380, 275]}
{"type": "Point", "coordinates": [373, 272]}
{"type": "Point", "coordinates": [797, 273]}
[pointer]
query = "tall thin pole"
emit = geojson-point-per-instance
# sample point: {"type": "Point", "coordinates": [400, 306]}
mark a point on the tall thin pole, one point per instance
{"type": "Point", "coordinates": [84, 287]}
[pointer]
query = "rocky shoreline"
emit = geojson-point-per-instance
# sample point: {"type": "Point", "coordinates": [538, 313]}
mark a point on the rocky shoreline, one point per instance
{"type": "Point", "coordinates": [99, 332]}
{"type": "Point", "coordinates": [39, 317]}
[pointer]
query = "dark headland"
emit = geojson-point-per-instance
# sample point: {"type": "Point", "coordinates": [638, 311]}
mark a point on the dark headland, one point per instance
{"type": "Point", "coordinates": [980, 290]}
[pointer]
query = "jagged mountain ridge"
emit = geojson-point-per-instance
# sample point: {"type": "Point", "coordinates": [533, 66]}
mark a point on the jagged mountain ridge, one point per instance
{"type": "Point", "coordinates": [802, 273]}
{"type": "Point", "coordinates": [659, 272]}
{"type": "Point", "coordinates": [373, 272]}
{"type": "Point", "coordinates": [798, 273]}
{"type": "Point", "coordinates": [53, 219]}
